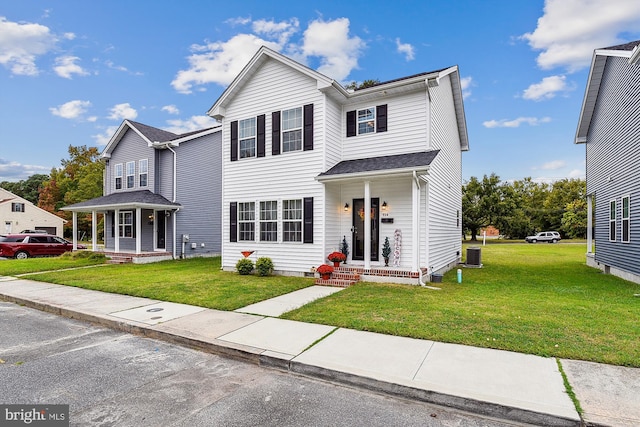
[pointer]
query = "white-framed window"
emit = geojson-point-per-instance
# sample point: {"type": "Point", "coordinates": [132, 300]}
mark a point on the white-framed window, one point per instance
{"type": "Point", "coordinates": [269, 221]}
{"type": "Point", "coordinates": [118, 173]}
{"type": "Point", "coordinates": [17, 207]}
{"type": "Point", "coordinates": [292, 130]}
{"type": "Point", "coordinates": [143, 172]}
{"type": "Point", "coordinates": [247, 137]}
{"type": "Point", "coordinates": [292, 220]}
{"type": "Point", "coordinates": [626, 238]}
{"type": "Point", "coordinates": [131, 174]}
{"type": "Point", "coordinates": [246, 221]}
{"type": "Point", "coordinates": [126, 224]}
{"type": "Point", "coordinates": [612, 221]}
{"type": "Point", "coordinates": [367, 120]}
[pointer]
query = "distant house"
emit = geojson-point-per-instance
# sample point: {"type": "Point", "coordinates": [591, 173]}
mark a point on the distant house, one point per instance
{"type": "Point", "coordinates": [162, 193]}
{"type": "Point", "coordinates": [308, 164]}
{"type": "Point", "coordinates": [17, 214]}
{"type": "Point", "coordinates": [609, 126]}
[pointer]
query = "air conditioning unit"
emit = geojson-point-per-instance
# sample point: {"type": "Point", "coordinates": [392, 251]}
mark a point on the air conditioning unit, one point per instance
{"type": "Point", "coordinates": [474, 257]}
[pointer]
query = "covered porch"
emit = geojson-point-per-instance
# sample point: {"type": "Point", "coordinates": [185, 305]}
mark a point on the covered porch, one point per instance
{"type": "Point", "coordinates": [138, 225]}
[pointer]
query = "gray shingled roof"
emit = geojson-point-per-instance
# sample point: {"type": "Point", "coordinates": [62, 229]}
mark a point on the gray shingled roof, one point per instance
{"type": "Point", "coordinates": [626, 46]}
{"type": "Point", "coordinates": [154, 134]}
{"type": "Point", "coordinates": [400, 161]}
{"type": "Point", "coordinates": [126, 198]}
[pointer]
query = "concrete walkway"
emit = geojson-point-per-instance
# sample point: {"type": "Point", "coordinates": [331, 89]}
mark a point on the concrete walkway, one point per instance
{"type": "Point", "coordinates": [502, 384]}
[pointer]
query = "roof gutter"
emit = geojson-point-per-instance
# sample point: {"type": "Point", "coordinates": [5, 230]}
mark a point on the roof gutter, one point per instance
{"type": "Point", "coordinates": [369, 174]}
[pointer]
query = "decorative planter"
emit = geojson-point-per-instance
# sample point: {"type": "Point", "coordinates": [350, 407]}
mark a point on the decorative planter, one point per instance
{"type": "Point", "coordinates": [247, 253]}
{"type": "Point", "coordinates": [336, 264]}
{"type": "Point", "coordinates": [326, 276]}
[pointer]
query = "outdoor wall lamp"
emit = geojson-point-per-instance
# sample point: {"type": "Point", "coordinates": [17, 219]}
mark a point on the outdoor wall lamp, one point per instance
{"type": "Point", "coordinates": [346, 207]}
{"type": "Point", "coordinates": [384, 206]}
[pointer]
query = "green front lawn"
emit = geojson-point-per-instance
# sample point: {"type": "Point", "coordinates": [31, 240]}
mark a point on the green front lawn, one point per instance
{"type": "Point", "coordinates": [13, 267]}
{"type": "Point", "coordinates": [538, 299]}
{"type": "Point", "coordinates": [195, 281]}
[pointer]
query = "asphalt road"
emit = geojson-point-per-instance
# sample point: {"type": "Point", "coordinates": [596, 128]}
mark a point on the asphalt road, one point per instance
{"type": "Point", "coordinates": [111, 378]}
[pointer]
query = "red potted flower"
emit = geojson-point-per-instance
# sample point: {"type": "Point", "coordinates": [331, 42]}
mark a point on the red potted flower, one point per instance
{"type": "Point", "coordinates": [325, 271]}
{"type": "Point", "coordinates": [337, 258]}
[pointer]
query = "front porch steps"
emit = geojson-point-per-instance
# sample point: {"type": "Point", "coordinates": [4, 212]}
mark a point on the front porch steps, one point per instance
{"type": "Point", "coordinates": [342, 277]}
{"type": "Point", "coordinates": [119, 259]}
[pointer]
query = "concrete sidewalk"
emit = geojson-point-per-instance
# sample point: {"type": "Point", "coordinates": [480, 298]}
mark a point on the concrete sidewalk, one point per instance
{"type": "Point", "coordinates": [502, 384]}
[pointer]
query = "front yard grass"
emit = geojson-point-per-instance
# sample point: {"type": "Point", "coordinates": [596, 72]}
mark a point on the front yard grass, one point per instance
{"type": "Point", "coordinates": [538, 299]}
{"type": "Point", "coordinates": [195, 281]}
{"type": "Point", "coordinates": [13, 267]}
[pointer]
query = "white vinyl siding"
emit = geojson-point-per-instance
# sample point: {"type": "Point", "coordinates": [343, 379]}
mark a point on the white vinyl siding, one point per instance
{"type": "Point", "coordinates": [625, 219]}
{"type": "Point", "coordinates": [292, 130]}
{"type": "Point", "coordinates": [612, 221]}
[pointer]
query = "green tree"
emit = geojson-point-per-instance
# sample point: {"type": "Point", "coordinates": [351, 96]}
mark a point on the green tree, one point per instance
{"type": "Point", "coordinates": [484, 203]}
{"type": "Point", "coordinates": [574, 219]}
{"type": "Point", "coordinates": [27, 189]}
{"type": "Point", "coordinates": [365, 84]}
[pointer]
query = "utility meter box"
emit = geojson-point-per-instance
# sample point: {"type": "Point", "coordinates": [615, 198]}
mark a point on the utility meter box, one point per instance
{"type": "Point", "coordinates": [185, 238]}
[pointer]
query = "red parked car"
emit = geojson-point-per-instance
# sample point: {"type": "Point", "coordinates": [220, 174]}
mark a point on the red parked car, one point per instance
{"type": "Point", "coordinates": [23, 246]}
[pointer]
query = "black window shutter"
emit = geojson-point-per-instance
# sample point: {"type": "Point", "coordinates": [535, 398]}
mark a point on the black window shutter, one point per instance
{"type": "Point", "coordinates": [351, 123]}
{"type": "Point", "coordinates": [260, 135]}
{"type": "Point", "coordinates": [234, 141]}
{"type": "Point", "coordinates": [113, 224]}
{"type": "Point", "coordinates": [307, 118]}
{"type": "Point", "coordinates": [381, 118]}
{"type": "Point", "coordinates": [133, 226]}
{"type": "Point", "coordinates": [307, 229]}
{"type": "Point", "coordinates": [275, 133]}
{"type": "Point", "coordinates": [233, 222]}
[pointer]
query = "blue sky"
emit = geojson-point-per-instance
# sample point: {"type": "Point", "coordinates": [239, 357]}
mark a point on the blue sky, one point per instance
{"type": "Point", "coordinates": [71, 71]}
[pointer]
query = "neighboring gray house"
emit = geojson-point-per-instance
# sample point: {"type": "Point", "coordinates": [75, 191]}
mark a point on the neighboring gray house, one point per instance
{"type": "Point", "coordinates": [609, 126]}
{"type": "Point", "coordinates": [159, 188]}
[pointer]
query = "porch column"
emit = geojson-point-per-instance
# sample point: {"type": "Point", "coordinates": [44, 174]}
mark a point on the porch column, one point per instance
{"type": "Point", "coordinates": [138, 230]}
{"type": "Point", "coordinates": [589, 223]}
{"type": "Point", "coordinates": [94, 231]}
{"type": "Point", "coordinates": [367, 225]}
{"type": "Point", "coordinates": [116, 231]}
{"type": "Point", "coordinates": [415, 224]}
{"type": "Point", "coordinates": [75, 230]}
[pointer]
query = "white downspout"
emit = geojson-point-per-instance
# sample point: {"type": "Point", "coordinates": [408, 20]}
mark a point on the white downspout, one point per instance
{"type": "Point", "coordinates": [417, 236]}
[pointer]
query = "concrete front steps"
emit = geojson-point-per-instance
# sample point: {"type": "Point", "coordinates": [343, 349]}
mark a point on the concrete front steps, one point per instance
{"type": "Point", "coordinates": [342, 277]}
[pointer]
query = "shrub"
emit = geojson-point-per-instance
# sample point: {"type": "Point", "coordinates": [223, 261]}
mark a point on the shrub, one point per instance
{"type": "Point", "coordinates": [264, 265]}
{"type": "Point", "coordinates": [244, 266]}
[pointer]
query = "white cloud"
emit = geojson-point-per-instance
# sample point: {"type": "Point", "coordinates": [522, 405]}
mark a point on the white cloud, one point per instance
{"type": "Point", "coordinates": [531, 121]}
{"type": "Point", "coordinates": [20, 44]}
{"type": "Point", "coordinates": [13, 171]}
{"type": "Point", "coordinates": [122, 112]}
{"type": "Point", "coordinates": [171, 109]}
{"type": "Point", "coordinates": [330, 41]}
{"type": "Point", "coordinates": [69, 36]}
{"type": "Point", "coordinates": [406, 49]}
{"type": "Point", "coordinates": [553, 165]}
{"type": "Point", "coordinates": [71, 110]}
{"type": "Point", "coordinates": [546, 89]}
{"type": "Point", "coordinates": [577, 174]}
{"type": "Point", "coordinates": [569, 30]}
{"type": "Point", "coordinates": [104, 138]}
{"type": "Point", "coordinates": [465, 84]}
{"type": "Point", "coordinates": [218, 62]}
{"type": "Point", "coordinates": [66, 66]}
{"type": "Point", "coordinates": [192, 124]}
{"type": "Point", "coordinates": [238, 21]}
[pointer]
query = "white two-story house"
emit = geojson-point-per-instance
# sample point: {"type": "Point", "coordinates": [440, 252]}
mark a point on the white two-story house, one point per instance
{"type": "Point", "coordinates": [307, 164]}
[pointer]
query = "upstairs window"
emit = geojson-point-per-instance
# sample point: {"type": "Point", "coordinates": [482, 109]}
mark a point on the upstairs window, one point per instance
{"type": "Point", "coordinates": [247, 138]}
{"type": "Point", "coordinates": [17, 207]}
{"type": "Point", "coordinates": [269, 221]}
{"type": "Point", "coordinates": [625, 220]}
{"type": "Point", "coordinates": [612, 221]}
{"type": "Point", "coordinates": [131, 174]}
{"type": "Point", "coordinates": [292, 130]}
{"type": "Point", "coordinates": [118, 172]}
{"type": "Point", "coordinates": [143, 172]}
{"type": "Point", "coordinates": [246, 221]}
{"type": "Point", "coordinates": [366, 121]}
{"type": "Point", "coordinates": [292, 220]}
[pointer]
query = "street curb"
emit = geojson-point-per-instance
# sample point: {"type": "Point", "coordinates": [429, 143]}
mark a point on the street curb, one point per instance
{"type": "Point", "coordinates": [257, 356]}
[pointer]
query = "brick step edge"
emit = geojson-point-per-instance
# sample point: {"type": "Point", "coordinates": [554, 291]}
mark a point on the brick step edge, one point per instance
{"type": "Point", "coordinates": [341, 283]}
